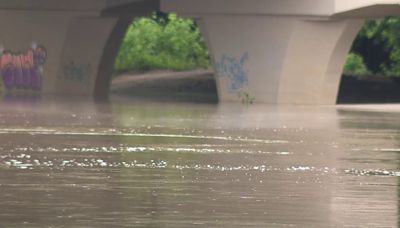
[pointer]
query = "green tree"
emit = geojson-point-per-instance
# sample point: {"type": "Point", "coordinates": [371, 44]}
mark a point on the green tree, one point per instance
{"type": "Point", "coordinates": [355, 65]}
{"type": "Point", "coordinates": [378, 43]}
{"type": "Point", "coordinates": [168, 42]}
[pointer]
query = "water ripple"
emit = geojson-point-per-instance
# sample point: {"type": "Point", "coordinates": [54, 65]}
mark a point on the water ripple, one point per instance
{"type": "Point", "coordinates": [24, 161]}
{"type": "Point", "coordinates": [198, 149]}
{"type": "Point", "coordinates": [373, 172]}
{"type": "Point", "coordinates": [113, 132]}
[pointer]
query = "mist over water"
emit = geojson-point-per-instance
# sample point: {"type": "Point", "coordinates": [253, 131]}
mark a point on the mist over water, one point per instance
{"type": "Point", "coordinates": [132, 163]}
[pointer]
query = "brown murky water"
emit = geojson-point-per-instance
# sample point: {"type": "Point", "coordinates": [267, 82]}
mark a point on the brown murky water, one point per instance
{"type": "Point", "coordinates": [143, 164]}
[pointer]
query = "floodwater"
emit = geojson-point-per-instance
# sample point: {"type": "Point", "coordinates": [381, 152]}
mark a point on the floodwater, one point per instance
{"type": "Point", "coordinates": [145, 164]}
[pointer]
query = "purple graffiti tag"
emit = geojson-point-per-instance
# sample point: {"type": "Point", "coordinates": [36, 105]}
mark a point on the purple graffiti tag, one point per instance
{"type": "Point", "coordinates": [36, 79]}
{"type": "Point", "coordinates": [27, 64]}
{"type": "Point", "coordinates": [18, 71]}
{"type": "Point", "coordinates": [23, 70]}
{"type": "Point", "coordinates": [6, 69]}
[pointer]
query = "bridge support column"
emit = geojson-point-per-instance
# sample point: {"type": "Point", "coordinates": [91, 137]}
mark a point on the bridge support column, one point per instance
{"type": "Point", "coordinates": [58, 53]}
{"type": "Point", "coordinates": [278, 59]}
{"type": "Point", "coordinates": [83, 50]}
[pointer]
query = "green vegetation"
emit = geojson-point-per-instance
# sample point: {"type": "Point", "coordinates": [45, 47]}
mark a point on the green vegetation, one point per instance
{"type": "Point", "coordinates": [166, 41]}
{"type": "Point", "coordinates": [355, 65]}
{"type": "Point", "coordinates": [162, 42]}
{"type": "Point", "coordinates": [376, 49]}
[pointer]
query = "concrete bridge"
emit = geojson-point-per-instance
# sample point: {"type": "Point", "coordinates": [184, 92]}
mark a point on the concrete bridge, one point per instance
{"type": "Point", "coordinates": [269, 51]}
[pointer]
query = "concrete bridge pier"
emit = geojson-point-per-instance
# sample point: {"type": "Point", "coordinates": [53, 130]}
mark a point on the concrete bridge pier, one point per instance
{"type": "Point", "coordinates": [63, 48]}
{"type": "Point", "coordinates": [87, 58]}
{"type": "Point", "coordinates": [278, 59]}
{"type": "Point", "coordinates": [52, 52]}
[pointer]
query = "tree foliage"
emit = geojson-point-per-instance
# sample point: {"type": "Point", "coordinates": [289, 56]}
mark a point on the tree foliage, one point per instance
{"type": "Point", "coordinates": [355, 65]}
{"type": "Point", "coordinates": [162, 42]}
{"type": "Point", "coordinates": [166, 41]}
{"type": "Point", "coordinates": [378, 44]}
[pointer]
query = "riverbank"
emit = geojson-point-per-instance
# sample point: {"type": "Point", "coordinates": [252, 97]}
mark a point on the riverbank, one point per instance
{"type": "Point", "coordinates": [185, 86]}
{"type": "Point", "coordinates": [199, 86]}
{"type": "Point", "coordinates": [369, 89]}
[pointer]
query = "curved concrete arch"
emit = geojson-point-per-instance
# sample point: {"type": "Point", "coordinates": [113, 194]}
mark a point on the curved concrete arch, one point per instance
{"type": "Point", "coordinates": [266, 51]}
{"type": "Point", "coordinates": [280, 52]}
{"type": "Point", "coordinates": [277, 59]}
{"type": "Point", "coordinates": [209, 44]}
{"type": "Point", "coordinates": [110, 52]}
{"type": "Point", "coordinates": [81, 57]}
{"type": "Point", "coordinates": [65, 49]}
{"type": "Point", "coordinates": [315, 59]}
{"type": "Point", "coordinates": [99, 47]}
{"type": "Point", "coordinates": [338, 58]}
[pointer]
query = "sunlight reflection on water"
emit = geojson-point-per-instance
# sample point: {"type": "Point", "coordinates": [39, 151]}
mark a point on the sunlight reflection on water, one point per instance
{"type": "Point", "coordinates": [178, 165]}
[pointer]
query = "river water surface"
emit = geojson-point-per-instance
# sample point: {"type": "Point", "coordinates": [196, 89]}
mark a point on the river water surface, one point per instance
{"type": "Point", "coordinates": [130, 163]}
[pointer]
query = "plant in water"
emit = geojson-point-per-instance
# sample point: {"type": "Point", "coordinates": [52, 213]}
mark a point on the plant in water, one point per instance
{"type": "Point", "coordinates": [245, 98]}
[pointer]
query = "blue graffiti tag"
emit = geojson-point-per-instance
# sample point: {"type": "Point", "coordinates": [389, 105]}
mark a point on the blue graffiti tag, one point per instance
{"type": "Point", "coordinates": [233, 69]}
{"type": "Point", "coordinates": [78, 72]}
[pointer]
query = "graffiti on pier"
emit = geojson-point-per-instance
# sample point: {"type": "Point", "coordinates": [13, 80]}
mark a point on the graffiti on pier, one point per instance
{"type": "Point", "coordinates": [23, 70]}
{"type": "Point", "coordinates": [234, 69]}
{"type": "Point", "coordinates": [77, 72]}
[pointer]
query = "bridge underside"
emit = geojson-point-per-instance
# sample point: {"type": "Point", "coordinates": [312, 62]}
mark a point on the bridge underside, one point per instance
{"type": "Point", "coordinates": [280, 52]}
{"type": "Point", "coordinates": [279, 60]}
{"type": "Point", "coordinates": [292, 55]}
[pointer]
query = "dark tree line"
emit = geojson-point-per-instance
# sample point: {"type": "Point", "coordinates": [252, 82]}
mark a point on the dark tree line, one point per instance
{"type": "Point", "coordinates": [378, 47]}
